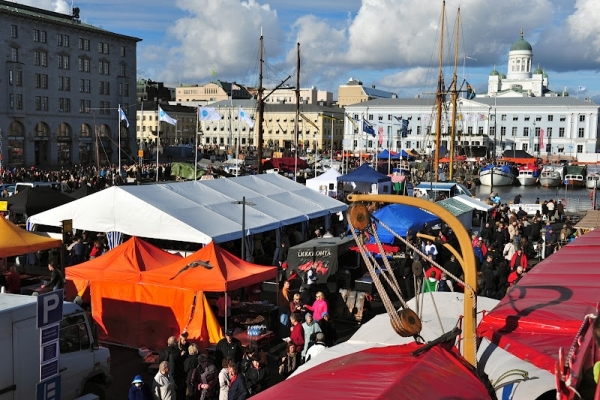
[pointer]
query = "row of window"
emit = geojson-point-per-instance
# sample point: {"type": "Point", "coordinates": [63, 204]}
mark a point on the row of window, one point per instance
{"type": "Point", "coordinates": [538, 118]}
{"type": "Point", "coordinates": [41, 36]}
{"type": "Point", "coordinates": [64, 104]}
{"type": "Point", "coordinates": [64, 83]}
{"type": "Point", "coordinates": [64, 62]}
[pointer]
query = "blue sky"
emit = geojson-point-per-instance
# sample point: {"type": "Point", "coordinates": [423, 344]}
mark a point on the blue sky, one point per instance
{"type": "Point", "coordinates": [392, 44]}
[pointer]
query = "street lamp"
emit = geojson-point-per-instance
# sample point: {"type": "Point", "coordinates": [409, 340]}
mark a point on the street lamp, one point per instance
{"type": "Point", "coordinates": [244, 203]}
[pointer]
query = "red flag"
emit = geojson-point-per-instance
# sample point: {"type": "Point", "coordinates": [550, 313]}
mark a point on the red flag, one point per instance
{"type": "Point", "coordinates": [380, 131]}
{"type": "Point", "coordinates": [541, 139]}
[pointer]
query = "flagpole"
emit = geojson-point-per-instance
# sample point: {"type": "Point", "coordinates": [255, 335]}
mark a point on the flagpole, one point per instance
{"type": "Point", "coordinates": [120, 140]}
{"type": "Point", "coordinates": [157, 141]}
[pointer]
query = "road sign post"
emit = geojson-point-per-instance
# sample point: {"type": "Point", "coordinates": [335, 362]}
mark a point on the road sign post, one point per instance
{"type": "Point", "coordinates": [49, 315]}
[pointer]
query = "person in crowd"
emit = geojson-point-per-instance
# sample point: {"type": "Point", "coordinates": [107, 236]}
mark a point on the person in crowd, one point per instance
{"type": "Point", "coordinates": [246, 362]}
{"type": "Point", "coordinates": [139, 390]}
{"type": "Point", "coordinates": [253, 292]}
{"type": "Point", "coordinates": [163, 385]}
{"type": "Point", "coordinates": [13, 281]}
{"type": "Point", "coordinates": [189, 365]}
{"type": "Point", "coordinates": [490, 274]}
{"type": "Point", "coordinates": [551, 209]}
{"type": "Point", "coordinates": [224, 379]}
{"type": "Point", "coordinates": [509, 250]}
{"type": "Point", "coordinates": [237, 385]}
{"type": "Point", "coordinates": [57, 280]}
{"type": "Point", "coordinates": [180, 357]}
{"type": "Point", "coordinates": [223, 308]}
{"type": "Point", "coordinates": [487, 234]}
{"type": "Point", "coordinates": [445, 284]}
{"type": "Point", "coordinates": [169, 354]}
{"type": "Point", "coordinates": [284, 307]}
{"type": "Point", "coordinates": [296, 306]}
{"type": "Point", "coordinates": [310, 328]}
{"type": "Point", "coordinates": [289, 360]}
{"type": "Point", "coordinates": [257, 376]}
{"type": "Point", "coordinates": [205, 379]}
{"type": "Point", "coordinates": [519, 259]}
{"type": "Point", "coordinates": [317, 347]}
{"type": "Point", "coordinates": [431, 250]}
{"type": "Point", "coordinates": [515, 276]}
{"type": "Point", "coordinates": [97, 250]}
{"type": "Point", "coordinates": [318, 307]}
{"type": "Point", "coordinates": [297, 332]}
{"type": "Point", "coordinates": [328, 329]}
{"type": "Point", "coordinates": [430, 284]}
{"type": "Point", "coordinates": [77, 250]}
{"type": "Point", "coordinates": [228, 347]}
{"type": "Point", "coordinates": [329, 233]}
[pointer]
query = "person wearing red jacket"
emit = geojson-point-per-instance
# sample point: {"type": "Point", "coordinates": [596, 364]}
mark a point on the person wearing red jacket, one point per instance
{"type": "Point", "coordinates": [297, 332]}
{"type": "Point", "coordinates": [518, 259]}
{"type": "Point", "coordinates": [514, 276]}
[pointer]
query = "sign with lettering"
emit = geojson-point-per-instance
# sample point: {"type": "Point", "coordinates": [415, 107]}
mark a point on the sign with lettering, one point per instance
{"type": "Point", "coordinates": [321, 255]}
{"type": "Point", "coordinates": [530, 209]}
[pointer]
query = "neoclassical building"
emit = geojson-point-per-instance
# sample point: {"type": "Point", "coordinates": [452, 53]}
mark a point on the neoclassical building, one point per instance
{"type": "Point", "coordinates": [62, 82]}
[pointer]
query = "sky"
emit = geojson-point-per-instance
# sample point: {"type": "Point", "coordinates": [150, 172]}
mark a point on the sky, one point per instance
{"type": "Point", "coordinates": [393, 45]}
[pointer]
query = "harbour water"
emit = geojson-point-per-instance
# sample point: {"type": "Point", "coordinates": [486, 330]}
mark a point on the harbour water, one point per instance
{"type": "Point", "coordinates": [531, 193]}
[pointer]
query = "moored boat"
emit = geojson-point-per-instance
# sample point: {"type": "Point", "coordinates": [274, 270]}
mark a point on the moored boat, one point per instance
{"type": "Point", "coordinates": [491, 175]}
{"type": "Point", "coordinates": [575, 176]}
{"type": "Point", "coordinates": [592, 181]}
{"type": "Point", "coordinates": [552, 175]}
{"type": "Point", "coordinates": [528, 175]}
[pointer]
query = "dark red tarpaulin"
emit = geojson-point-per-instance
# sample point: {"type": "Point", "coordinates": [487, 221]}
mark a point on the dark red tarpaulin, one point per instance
{"type": "Point", "coordinates": [373, 248]}
{"type": "Point", "coordinates": [384, 373]}
{"type": "Point", "coordinates": [544, 311]}
{"type": "Point", "coordinates": [286, 163]}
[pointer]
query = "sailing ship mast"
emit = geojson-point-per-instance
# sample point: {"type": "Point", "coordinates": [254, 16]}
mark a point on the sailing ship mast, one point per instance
{"type": "Point", "coordinates": [454, 100]}
{"type": "Point", "coordinates": [261, 107]}
{"type": "Point", "coordinates": [297, 122]}
{"type": "Point", "coordinates": [440, 99]}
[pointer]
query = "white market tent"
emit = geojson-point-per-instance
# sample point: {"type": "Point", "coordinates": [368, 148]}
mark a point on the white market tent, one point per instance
{"type": "Point", "coordinates": [473, 202]}
{"type": "Point", "coordinates": [326, 183]}
{"type": "Point", "coordinates": [195, 211]}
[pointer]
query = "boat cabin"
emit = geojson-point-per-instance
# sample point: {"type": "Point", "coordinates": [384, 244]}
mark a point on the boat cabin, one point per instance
{"type": "Point", "coordinates": [435, 190]}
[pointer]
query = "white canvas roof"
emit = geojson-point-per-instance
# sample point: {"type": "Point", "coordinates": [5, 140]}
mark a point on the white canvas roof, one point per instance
{"type": "Point", "coordinates": [200, 211]}
{"type": "Point", "coordinates": [473, 202]}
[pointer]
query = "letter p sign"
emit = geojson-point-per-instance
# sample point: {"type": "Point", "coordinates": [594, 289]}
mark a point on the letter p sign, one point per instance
{"type": "Point", "coordinates": [49, 308]}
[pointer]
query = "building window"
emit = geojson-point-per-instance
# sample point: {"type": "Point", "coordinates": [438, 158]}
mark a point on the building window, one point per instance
{"type": "Point", "coordinates": [40, 81]}
{"type": "Point", "coordinates": [64, 62]}
{"type": "Point", "coordinates": [537, 132]}
{"type": "Point", "coordinates": [64, 105]}
{"type": "Point", "coordinates": [579, 148]}
{"type": "Point", "coordinates": [122, 70]}
{"type": "Point", "coordinates": [548, 148]}
{"type": "Point", "coordinates": [549, 132]}
{"type": "Point", "coordinates": [525, 132]}
{"type": "Point", "coordinates": [15, 78]}
{"type": "Point", "coordinates": [526, 118]}
{"type": "Point", "coordinates": [502, 131]}
{"type": "Point", "coordinates": [550, 118]}
{"type": "Point", "coordinates": [126, 93]}
{"type": "Point", "coordinates": [19, 103]}
{"type": "Point", "coordinates": [102, 48]}
{"type": "Point", "coordinates": [104, 68]}
{"type": "Point", "coordinates": [536, 147]}
{"type": "Point", "coordinates": [561, 132]}
{"type": "Point", "coordinates": [62, 40]}
{"type": "Point", "coordinates": [41, 103]}
{"type": "Point", "coordinates": [524, 146]}
{"type": "Point", "coordinates": [563, 118]}
{"type": "Point", "coordinates": [84, 65]}
{"type": "Point", "coordinates": [14, 31]}
{"type": "Point", "coordinates": [84, 44]}
{"type": "Point", "coordinates": [104, 88]}
{"type": "Point", "coordinates": [64, 83]}
{"type": "Point", "coordinates": [84, 85]}
{"type": "Point", "coordinates": [85, 106]}
{"type": "Point", "coordinates": [515, 117]}
{"type": "Point", "coordinates": [40, 36]}
{"type": "Point", "coordinates": [582, 118]}
{"type": "Point", "coordinates": [14, 54]}
{"type": "Point", "coordinates": [122, 51]}
{"type": "Point", "coordinates": [11, 100]}
{"type": "Point", "coordinates": [580, 132]}
{"type": "Point", "coordinates": [480, 130]}
{"type": "Point", "coordinates": [40, 58]}
{"type": "Point", "coordinates": [538, 117]}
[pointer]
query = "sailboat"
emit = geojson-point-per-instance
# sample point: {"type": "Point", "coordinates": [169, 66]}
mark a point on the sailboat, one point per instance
{"type": "Point", "coordinates": [496, 175]}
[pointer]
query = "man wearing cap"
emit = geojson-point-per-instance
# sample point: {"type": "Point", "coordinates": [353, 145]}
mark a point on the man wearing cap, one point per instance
{"type": "Point", "coordinates": [257, 376]}
{"type": "Point", "coordinates": [310, 328]}
{"type": "Point", "coordinates": [139, 390]}
{"type": "Point", "coordinates": [328, 329]}
{"type": "Point", "coordinates": [228, 347]}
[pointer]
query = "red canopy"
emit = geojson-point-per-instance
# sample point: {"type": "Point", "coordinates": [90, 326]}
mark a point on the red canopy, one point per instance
{"type": "Point", "coordinates": [373, 248]}
{"type": "Point", "coordinates": [456, 158]}
{"type": "Point", "coordinates": [286, 163]}
{"type": "Point", "coordinates": [124, 263]}
{"type": "Point", "coordinates": [544, 311]}
{"type": "Point", "coordinates": [385, 373]}
{"type": "Point", "coordinates": [210, 269]}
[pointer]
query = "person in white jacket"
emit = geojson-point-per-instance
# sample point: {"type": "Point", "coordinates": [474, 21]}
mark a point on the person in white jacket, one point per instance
{"type": "Point", "coordinates": [224, 379]}
{"type": "Point", "coordinates": [163, 385]}
{"type": "Point", "coordinates": [509, 250]}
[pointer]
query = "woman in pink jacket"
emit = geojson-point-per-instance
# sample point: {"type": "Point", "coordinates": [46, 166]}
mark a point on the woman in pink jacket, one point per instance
{"type": "Point", "coordinates": [318, 307]}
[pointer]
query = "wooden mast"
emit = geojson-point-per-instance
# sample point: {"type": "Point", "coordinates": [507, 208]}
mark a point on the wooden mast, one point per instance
{"type": "Point", "coordinates": [440, 98]}
{"type": "Point", "coordinates": [454, 98]}
{"type": "Point", "coordinates": [261, 108]}
{"type": "Point", "coordinates": [297, 122]}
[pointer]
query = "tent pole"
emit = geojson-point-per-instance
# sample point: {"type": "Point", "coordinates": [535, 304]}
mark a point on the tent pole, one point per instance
{"type": "Point", "coordinates": [225, 310]}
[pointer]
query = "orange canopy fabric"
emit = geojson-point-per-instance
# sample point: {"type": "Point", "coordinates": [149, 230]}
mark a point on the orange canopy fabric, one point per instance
{"type": "Point", "coordinates": [210, 269]}
{"type": "Point", "coordinates": [124, 263]}
{"type": "Point", "coordinates": [15, 241]}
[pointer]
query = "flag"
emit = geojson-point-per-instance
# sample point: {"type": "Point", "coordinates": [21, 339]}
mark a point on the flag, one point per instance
{"type": "Point", "coordinates": [304, 117]}
{"type": "Point", "coordinates": [380, 133]}
{"type": "Point", "coordinates": [208, 114]}
{"type": "Point", "coordinates": [368, 128]}
{"type": "Point", "coordinates": [541, 139]}
{"type": "Point", "coordinates": [404, 129]}
{"type": "Point", "coordinates": [470, 92]}
{"type": "Point", "coordinates": [123, 117]}
{"type": "Point", "coordinates": [234, 87]}
{"type": "Point", "coordinates": [213, 73]}
{"type": "Point", "coordinates": [352, 121]}
{"type": "Point", "coordinates": [163, 116]}
{"type": "Point", "coordinates": [582, 88]}
{"type": "Point", "coordinates": [242, 116]}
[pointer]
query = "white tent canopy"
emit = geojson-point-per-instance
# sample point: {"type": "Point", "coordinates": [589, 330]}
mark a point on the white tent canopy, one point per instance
{"type": "Point", "coordinates": [326, 183]}
{"type": "Point", "coordinates": [473, 202]}
{"type": "Point", "coordinates": [195, 211]}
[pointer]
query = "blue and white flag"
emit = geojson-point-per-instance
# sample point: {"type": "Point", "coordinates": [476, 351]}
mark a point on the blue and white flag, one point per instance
{"type": "Point", "coordinates": [368, 128]}
{"type": "Point", "coordinates": [163, 116]}
{"type": "Point", "coordinates": [242, 116]}
{"type": "Point", "coordinates": [208, 114]}
{"type": "Point", "coordinates": [404, 129]}
{"type": "Point", "coordinates": [123, 117]}
{"type": "Point", "coordinates": [582, 88]}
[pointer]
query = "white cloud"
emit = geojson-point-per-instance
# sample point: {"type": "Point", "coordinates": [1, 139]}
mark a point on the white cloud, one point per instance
{"type": "Point", "coordinates": [408, 78]}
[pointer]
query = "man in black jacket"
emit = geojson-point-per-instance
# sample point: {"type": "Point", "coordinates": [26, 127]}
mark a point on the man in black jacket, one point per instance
{"type": "Point", "coordinates": [228, 347]}
{"type": "Point", "coordinates": [257, 376]}
{"type": "Point", "coordinates": [169, 354]}
{"type": "Point", "coordinates": [57, 281]}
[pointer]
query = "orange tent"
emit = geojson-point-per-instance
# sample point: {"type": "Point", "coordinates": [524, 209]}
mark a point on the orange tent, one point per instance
{"type": "Point", "coordinates": [124, 263]}
{"type": "Point", "coordinates": [210, 269]}
{"type": "Point", "coordinates": [15, 241]}
{"type": "Point", "coordinates": [142, 315]}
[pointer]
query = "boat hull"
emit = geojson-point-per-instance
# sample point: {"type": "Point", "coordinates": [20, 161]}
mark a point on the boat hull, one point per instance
{"type": "Point", "coordinates": [527, 180]}
{"type": "Point", "coordinates": [500, 178]}
{"type": "Point", "coordinates": [550, 181]}
{"type": "Point", "coordinates": [592, 182]}
{"type": "Point", "coordinates": [575, 183]}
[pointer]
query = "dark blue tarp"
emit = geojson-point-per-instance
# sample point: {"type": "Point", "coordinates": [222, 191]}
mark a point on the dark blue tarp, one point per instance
{"type": "Point", "coordinates": [385, 154]}
{"type": "Point", "coordinates": [401, 219]}
{"type": "Point", "coordinates": [364, 173]}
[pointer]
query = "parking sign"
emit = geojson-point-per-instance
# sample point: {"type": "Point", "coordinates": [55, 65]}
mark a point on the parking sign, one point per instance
{"type": "Point", "coordinates": [49, 308]}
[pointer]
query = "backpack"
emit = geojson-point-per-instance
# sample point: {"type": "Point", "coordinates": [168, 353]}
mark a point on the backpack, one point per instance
{"type": "Point", "coordinates": [443, 286]}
